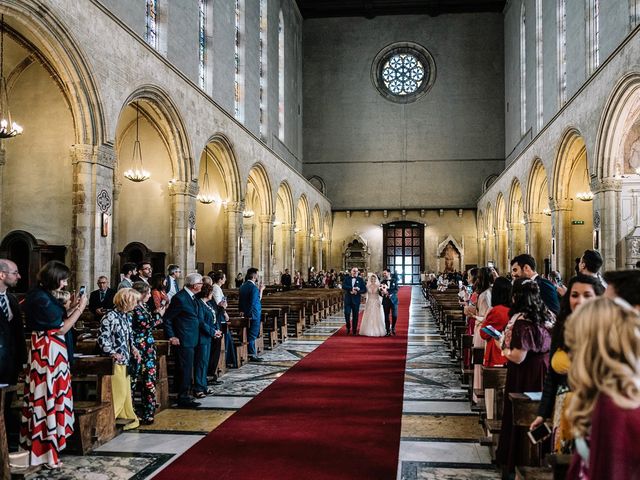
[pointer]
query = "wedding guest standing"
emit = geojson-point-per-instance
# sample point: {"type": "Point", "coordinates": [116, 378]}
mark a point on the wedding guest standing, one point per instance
{"type": "Point", "coordinates": [250, 303]}
{"type": "Point", "coordinates": [239, 280]}
{"type": "Point", "coordinates": [182, 326]}
{"type": "Point", "coordinates": [220, 302]}
{"type": "Point", "coordinates": [127, 271]}
{"type": "Point", "coordinates": [116, 340]}
{"type": "Point", "coordinates": [144, 369]}
{"type": "Point", "coordinates": [101, 299]}
{"type": "Point", "coordinates": [604, 413]}
{"type": "Point", "coordinates": [524, 266]}
{"type": "Point", "coordinates": [13, 352]}
{"type": "Point", "coordinates": [209, 332]}
{"type": "Point", "coordinates": [526, 346]}
{"type": "Point", "coordinates": [173, 274]}
{"type": "Point", "coordinates": [47, 413]}
{"type": "Point", "coordinates": [353, 287]}
{"type": "Point", "coordinates": [285, 280]}
{"type": "Point", "coordinates": [556, 393]}
{"type": "Point", "coordinates": [159, 291]}
{"type": "Point", "coordinates": [497, 317]}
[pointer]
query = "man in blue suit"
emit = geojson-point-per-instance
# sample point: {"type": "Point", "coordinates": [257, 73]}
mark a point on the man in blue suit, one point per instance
{"type": "Point", "coordinates": [353, 287]}
{"type": "Point", "coordinates": [182, 323]}
{"type": "Point", "coordinates": [389, 301]}
{"type": "Point", "coordinates": [524, 266]}
{"type": "Point", "coordinates": [250, 304]}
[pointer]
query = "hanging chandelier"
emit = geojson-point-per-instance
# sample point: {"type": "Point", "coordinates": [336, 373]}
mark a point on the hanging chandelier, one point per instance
{"type": "Point", "coordinates": [206, 196]}
{"type": "Point", "coordinates": [137, 173]}
{"type": "Point", "coordinates": [8, 128]}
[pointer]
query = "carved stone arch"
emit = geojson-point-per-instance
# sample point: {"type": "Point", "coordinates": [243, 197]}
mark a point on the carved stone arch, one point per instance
{"type": "Point", "coordinates": [444, 249]}
{"type": "Point", "coordinates": [284, 192]}
{"type": "Point", "coordinates": [490, 180]}
{"type": "Point", "coordinates": [302, 206]}
{"type": "Point", "coordinates": [259, 178]}
{"type": "Point", "coordinates": [224, 157]}
{"type": "Point", "coordinates": [571, 148]}
{"type": "Point", "coordinates": [158, 107]}
{"type": "Point", "coordinates": [71, 71]}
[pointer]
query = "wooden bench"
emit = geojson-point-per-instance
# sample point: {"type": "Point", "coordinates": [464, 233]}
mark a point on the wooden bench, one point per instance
{"type": "Point", "coordinates": [5, 470]}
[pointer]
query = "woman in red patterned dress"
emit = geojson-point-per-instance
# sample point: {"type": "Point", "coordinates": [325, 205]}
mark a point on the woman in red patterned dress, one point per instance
{"type": "Point", "coordinates": [47, 412]}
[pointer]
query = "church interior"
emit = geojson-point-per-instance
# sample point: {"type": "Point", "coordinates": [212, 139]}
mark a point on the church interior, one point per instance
{"type": "Point", "coordinates": [434, 140]}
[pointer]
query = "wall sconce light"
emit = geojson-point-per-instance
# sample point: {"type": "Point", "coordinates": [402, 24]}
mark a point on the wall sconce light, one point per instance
{"type": "Point", "coordinates": [296, 230]}
{"type": "Point", "coordinates": [586, 196]}
{"type": "Point", "coordinates": [546, 211]}
{"type": "Point", "coordinates": [248, 213]}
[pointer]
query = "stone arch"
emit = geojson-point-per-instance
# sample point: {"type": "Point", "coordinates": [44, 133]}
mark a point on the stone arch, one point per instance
{"type": "Point", "coordinates": [224, 158]}
{"type": "Point", "coordinates": [302, 252]}
{"type": "Point", "coordinates": [282, 229]}
{"type": "Point", "coordinates": [259, 180]}
{"type": "Point", "coordinates": [285, 196]}
{"type": "Point", "coordinates": [157, 107]}
{"type": "Point", "coordinates": [491, 237]}
{"type": "Point", "coordinates": [515, 219]}
{"type": "Point", "coordinates": [319, 183]}
{"type": "Point", "coordinates": [617, 159]}
{"type": "Point", "coordinates": [326, 231]}
{"type": "Point", "coordinates": [501, 234]}
{"type": "Point", "coordinates": [538, 213]}
{"type": "Point", "coordinates": [482, 237]}
{"type": "Point", "coordinates": [573, 219]}
{"type": "Point", "coordinates": [356, 253]}
{"type": "Point", "coordinates": [303, 214]}
{"type": "Point", "coordinates": [316, 238]}
{"type": "Point", "coordinates": [51, 39]}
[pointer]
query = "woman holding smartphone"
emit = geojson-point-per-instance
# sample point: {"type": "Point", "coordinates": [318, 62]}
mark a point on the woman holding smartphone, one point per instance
{"type": "Point", "coordinates": [556, 393]}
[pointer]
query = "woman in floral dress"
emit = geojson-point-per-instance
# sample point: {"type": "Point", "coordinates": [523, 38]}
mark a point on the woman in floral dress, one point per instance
{"type": "Point", "coordinates": [144, 372]}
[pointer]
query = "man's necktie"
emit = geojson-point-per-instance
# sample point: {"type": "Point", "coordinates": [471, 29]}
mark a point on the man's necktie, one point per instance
{"type": "Point", "coordinates": [4, 306]}
{"type": "Point", "coordinates": [102, 294]}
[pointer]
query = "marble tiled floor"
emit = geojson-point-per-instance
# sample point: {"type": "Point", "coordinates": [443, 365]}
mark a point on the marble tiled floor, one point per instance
{"type": "Point", "coordinates": [439, 431]}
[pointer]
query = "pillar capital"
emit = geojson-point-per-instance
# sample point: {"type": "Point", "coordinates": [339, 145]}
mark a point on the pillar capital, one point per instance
{"type": "Point", "coordinates": [103, 155]}
{"type": "Point", "coordinates": [266, 218]}
{"type": "Point", "coordinates": [234, 207]}
{"type": "Point", "coordinates": [608, 184]}
{"type": "Point", "coordinates": [558, 205]}
{"type": "Point", "coordinates": [181, 187]}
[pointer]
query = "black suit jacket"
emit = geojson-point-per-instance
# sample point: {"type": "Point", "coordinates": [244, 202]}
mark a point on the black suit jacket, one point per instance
{"type": "Point", "coordinates": [13, 348]}
{"type": "Point", "coordinates": [184, 318]}
{"type": "Point", "coordinates": [549, 294]}
{"type": "Point", "coordinates": [107, 303]}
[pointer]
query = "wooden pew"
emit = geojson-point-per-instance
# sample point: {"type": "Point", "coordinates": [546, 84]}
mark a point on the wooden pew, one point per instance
{"type": "Point", "coordinates": [5, 471]}
{"type": "Point", "coordinates": [525, 411]}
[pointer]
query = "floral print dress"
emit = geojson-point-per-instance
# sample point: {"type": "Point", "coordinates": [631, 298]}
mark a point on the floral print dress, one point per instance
{"type": "Point", "coordinates": [144, 372]}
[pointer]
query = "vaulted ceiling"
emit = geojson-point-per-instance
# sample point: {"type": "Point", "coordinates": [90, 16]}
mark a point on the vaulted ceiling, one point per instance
{"type": "Point", "coordinates": [374, 8]}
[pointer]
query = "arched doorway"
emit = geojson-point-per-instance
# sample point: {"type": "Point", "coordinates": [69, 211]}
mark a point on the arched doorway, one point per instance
{"type": "Point", "coordinates": [517, 241]}
{"type": "Point", "coordinates": [302, 251]}
{"type": "Point", "coordinates": [283, 232]}
{"type": "Point", "coordinates": [539, 216]}
{"type": "Point", "coordinates": [257, 226]}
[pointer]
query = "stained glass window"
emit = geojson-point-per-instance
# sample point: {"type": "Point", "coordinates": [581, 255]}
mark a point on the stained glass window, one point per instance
{"type": "Point", "coordinates": [280, 77]}
{"type": "Point", "coordinates": [202, 19]}
{"type": "Point", "coordinates": [151, 31]}
{"type": "Point", "coordinates": [237, 77]}
{"type": "Point", "coordinates": [403, 73]}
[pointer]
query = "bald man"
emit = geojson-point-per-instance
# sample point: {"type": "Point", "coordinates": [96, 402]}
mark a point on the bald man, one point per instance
{"type": "Point", "coordinates": [13, 350]}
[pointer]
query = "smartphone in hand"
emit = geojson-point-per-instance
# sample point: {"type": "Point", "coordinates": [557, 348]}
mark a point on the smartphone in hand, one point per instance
{"type": "Point", "coordinates": [540, 433]}
{"type": "Point", "coordinates": [82, 291]}
{"type": "Point", "coordinates": [492, 332]}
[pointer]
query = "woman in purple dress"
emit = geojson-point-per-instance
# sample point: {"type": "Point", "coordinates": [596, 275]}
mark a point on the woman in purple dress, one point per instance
{"type": "Point", "coordinates": [526, 347]}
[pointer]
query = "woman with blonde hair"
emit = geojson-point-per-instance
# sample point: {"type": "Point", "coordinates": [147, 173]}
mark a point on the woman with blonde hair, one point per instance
{"type": "Point", "coordinates": [116, 339]}
{"type": "Point", "coordinates": [604, 341]}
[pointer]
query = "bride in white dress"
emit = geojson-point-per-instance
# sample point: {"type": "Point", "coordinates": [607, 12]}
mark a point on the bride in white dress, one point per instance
{"type": "Point", "coordinates": [372, 324]}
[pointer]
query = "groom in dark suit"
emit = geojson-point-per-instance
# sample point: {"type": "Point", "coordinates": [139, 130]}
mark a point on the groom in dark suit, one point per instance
{"type": "Point", "coordinates": [389, 301]}
{"type": "Point", "coordinates": [353, 287]}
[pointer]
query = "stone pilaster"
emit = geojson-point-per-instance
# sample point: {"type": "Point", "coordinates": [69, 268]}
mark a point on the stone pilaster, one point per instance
{"type": "Point", "coordinates": [3, 160]}
{"type": "Point", "coordinates": [303, 252]}
{"type": "Point", "coordinates": [606, 201]}
{"type": "Point", "coordinates": [93, 178]}
{"type": "Point", "coordinates": [266, 245]}
{"type": "Point", "coordinates": [319, 246]}
{"type": "Point", "coordinates": [183, 224]}
{"type": "Point", "coordinates": [288, 247]}
{"type": "Point", "coordinates": [234, 211]}
{"type": "Point", "coordinates": [533, 223]}
{"type": "Point", "coordinates": [561, 221]}
{"type": "Point", "coordinates": [502, 261]}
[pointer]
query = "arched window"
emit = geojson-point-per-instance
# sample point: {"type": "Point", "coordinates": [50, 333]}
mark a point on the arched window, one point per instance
{"type": "Point", "coordinates": [523, 71]}
{"type": "Point", "coordinates": [562, 51]}
{"type": "Point", "coordinates": [539, 67]}
{"type": "Point", "coordinates": [593, 35]}
{"type": "Point", "coordinates": [202, 42]}
{"type": "Point", "coordinates": [238, 78]}
{"type": "Point", "coordinates": [264, 24]}
{"type": "Point", "coordinates": [281, 77]}
{"type": "Point", "coordinates": [151, 30]}
{"type": "Point", "coordinates": [634, 13]}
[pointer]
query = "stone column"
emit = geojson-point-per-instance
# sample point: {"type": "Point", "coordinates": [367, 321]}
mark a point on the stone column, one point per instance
{"type": "Point", "coordinates": [560, 219]}
{"type": "Point", "coordinates": [266, 245]}
{"type": "Point", "coordinates": [502, 260]}
{"type": "Point", "coordinates": [318, 241]}
{"type": "Point", "coordinates": [92, 203]}
{"type": "Point", "coordinates": [115, 230]}
{"type": "Point", "coordinates": [288, 246]}
{"type": "Point", "coordinates": [3, 160]}
{"type": "Point", "coordinates": [533, 223]}
{"type": "Point", "coordinates": [606, 200]}
{"type": "Point", "coordinates": [234, 211]}
{"type": "Point", "coordinates": [303, 252]}
{"type": "Point", "coordinates": [183, 224]}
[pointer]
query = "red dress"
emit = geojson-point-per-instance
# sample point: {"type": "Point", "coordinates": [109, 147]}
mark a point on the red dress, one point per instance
{"type": "Point", "coordinates": [613, 440]}
{"type": "Point", "coordinates": [498, 317]}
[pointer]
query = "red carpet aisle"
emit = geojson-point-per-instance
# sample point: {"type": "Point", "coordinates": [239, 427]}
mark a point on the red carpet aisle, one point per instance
{"type": "Point", "coordinates": [334, 415]}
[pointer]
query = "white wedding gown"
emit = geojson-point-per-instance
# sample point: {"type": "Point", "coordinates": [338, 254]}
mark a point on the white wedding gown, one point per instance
{"type": "Point", "coordinates": [372, 324]}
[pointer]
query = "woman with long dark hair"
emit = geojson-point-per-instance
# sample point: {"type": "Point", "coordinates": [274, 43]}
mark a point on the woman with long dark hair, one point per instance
{"type": "Point", "coordinates": [47, 412]}
{"type": "Point", "coordinates": [556, 393]}
{"type": "Point", "coordinates": [498, 318]}
{"type": "Point", "coordinates": [526, 346]}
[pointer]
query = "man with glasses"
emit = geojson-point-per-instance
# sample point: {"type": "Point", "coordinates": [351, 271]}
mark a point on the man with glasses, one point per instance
{"type": "Point", "coordinates": [182, 322]}
{"type": "Point", "coordinates": [173, 274]}
{"type": "Point", "coordinates": [101, 299]}
{"type": "Point", "coordinates": [13, 350]}
{"type": "Point", "coordinates": [144, 272]}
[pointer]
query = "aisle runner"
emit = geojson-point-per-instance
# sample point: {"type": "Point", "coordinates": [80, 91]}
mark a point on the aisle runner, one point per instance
{"type": "Point", "coordinates": [335, 415]}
